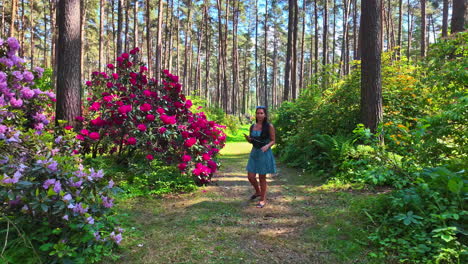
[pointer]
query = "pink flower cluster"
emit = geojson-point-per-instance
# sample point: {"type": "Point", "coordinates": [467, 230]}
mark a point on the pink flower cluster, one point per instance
{"type": "Point", "coordinates": [151, 116]}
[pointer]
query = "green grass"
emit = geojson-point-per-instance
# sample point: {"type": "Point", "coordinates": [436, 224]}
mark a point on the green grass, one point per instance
{"type": "Point", "coordinates": [238, 136]}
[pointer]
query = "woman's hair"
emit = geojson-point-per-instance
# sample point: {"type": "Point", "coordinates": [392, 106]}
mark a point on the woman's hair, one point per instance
{"type": "Point", "coordinates": [265, 125]}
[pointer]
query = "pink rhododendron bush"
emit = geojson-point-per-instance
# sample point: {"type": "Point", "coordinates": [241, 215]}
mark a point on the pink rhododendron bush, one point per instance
{"type": "Point", "coordinates": [130, 113]}
{"type": "Point", "coordinates": [52, 208]}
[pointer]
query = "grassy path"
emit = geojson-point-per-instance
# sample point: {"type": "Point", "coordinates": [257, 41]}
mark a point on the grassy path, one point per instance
{"type": "Point", "coordinates": [303, 221]}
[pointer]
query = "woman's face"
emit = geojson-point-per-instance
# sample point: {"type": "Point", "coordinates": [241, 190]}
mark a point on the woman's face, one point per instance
{"type": "Point", "coordinates": [260, 114]}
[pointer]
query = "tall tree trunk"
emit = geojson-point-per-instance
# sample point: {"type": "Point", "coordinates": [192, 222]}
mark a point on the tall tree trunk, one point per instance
{"type": "Point", "coordinates": [187, 34]}
{"type": "Point", "coordinates": [325, 35]}
{"type": "Point", "coordinates": [257, 90]}
{"type": "Point", "coordinates": [23, 30]}
{"type": "Point", "coordinates": [3, 20]}
{"type": "Point", "coordinates": [207, 59]}
{"type": "Point", "coordinates": [33, 32]}
{"type": "Point", "coordinates": [423, 28]}
{"type": "Point", "coordinates": [371, 87]}
{"type": "Point", "coordinates": [289, 51]}
{"type": "Point", "coordinates": [120, 28]}
{"type": "Point", "coordinates": [159, 41]}
{"type": "Point", "coordinates": [316, 53]}
{"type": "Point", "coordinates": [343, 56]}
{"type": "Point", "coordinates": [294, 53]}
{"type": "Point", "coordinates": [301, 73]}
{"type": "Point", "coordinates": [177, 42]}
{"type": "Point", "coordinates": [198, 65]}
{"type": "Point", "coordinates": [127, 25]}
{"type": "Point", "coordinates": [235, 58]}
{"type": "Point", "coordinates": [169, 48]}
{"type": "Point", "coordinates": [53, 30]}
{"type": "Point", "coordinates": [355, 30]}
{"type": "Point", "coordinates": [101, 35]}
{"type": "Point", "coordinates": [135, 24]}
{"type": "Point", "coordinates": [410, 30]}
{"type": "Point", "coordinates": [14, 7]}
{"type": "Point", "coordinates": [45, 64]}
{"type": "Point", "coordinates": [445, 18]}
{"type": "Point", "coordinates": [84, 6]}
{"type": "Point", "coordinates": [167, 28]}
{"type": "Point", "coordinates": [334, 32]}
{"type": "Point", "coordinates": [265, 85]}
{"type": "Point", "coordinates": [68, 62]}
{"type": "Point", "coordinates": [400, 18]}
{"type": "Point", "coordinates": [457, 23]}
{"type": "Point", "coordinates": [148, 34]}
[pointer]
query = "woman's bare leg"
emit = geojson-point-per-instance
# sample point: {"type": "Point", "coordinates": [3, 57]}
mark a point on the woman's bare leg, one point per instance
{"type": "Point", "coordinates": [253, 180]}
{"type": "Point", "coordinates": [263, 188]}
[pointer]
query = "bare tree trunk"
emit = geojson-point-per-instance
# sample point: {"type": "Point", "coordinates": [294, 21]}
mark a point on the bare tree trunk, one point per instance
{"type": "Point", "coordinates": [208, 56]}
{"type": "Point", "coordinates": [265, 90]}
{"type": "Point", "coordinates": [458, 16]}
{"type": "Point", "coordinates": [169, 48]}
{"type": "Point", "coordinates": [410, 30]}
{"type": "Point", "coordinates": [33, 32]}
{"type": "Point", "coordinates": [274, 87]}
{"type": "Point", "coordinates": [257, 90]}
{"type": "Point", "coordinates": [289, 51]}
{"type": "Point", "coordinates": [165, 48]}
{"type": "Point", "coordinates": [198, 65]}
{"type": "Point", "coordinates": [325, 35]}
{"type": "Point", "coordinates": [3, 19]}
{"type": "Point", "coordinates": [334, 32]}
{"type": "Point", "coordinates": [119, 28]}
{"type": "Point", "coordinates": [187, 34]}
{"type": "Point", "coordinates": [177, 42]}
{"type": "Point", "coordinates": [135, 24]}
{"type": "Point", "coordinates": [23, 30]}
{"type": "Point", "coordinates": [301, 73]}
{"type": "Point", "coordinates": [345, 37]}
{"type": "Point", "coordinates": [127, 25]}
{"type": "Point", "coordinates": [101, 35]}
{"type": "Point", "coordinates": [148, 34]}
{"type": "Point", "coordinates": [316, 53]}
{"type": "Point", "coordinates": [45, 38]}
{"type": "Point", "coordinates": [84, 6]}
{"type": "Point", "coordinates": [445, 18]}
{"type": "Point", "coordinates": [355, 30]}
{"type": "Point", "coordinates": [53, 29]}
{"type": "Point", "coordinates": [235, 58]}
{"type": "Point", "coordinates": [371, 87]}
{"type": "Point", "coordinates": [400, 18]}
{"type": "Point", "coordinates": [423, 28]}
{"type": "Point", "coordinates": [14, 7]}
{"type": "Point", "coordinates": [159, 42]}
{"type": "Point", "coordinates": [294, 54]}
{"type": "Point", "coordinates": [68, 62]}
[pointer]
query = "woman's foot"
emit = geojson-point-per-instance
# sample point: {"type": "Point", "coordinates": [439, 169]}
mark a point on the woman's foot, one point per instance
{"type": "Point", "coordinates": [254, 196]}
{"type": "Point", "coordinates": [261, 204]}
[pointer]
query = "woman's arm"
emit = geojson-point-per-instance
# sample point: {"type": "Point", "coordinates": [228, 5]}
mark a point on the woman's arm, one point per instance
{"type": "Point", "coordinates": [272, 139]}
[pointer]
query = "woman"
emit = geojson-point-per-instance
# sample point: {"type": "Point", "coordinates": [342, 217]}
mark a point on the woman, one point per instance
{"type": "Point", "coordinates": [261, 160]}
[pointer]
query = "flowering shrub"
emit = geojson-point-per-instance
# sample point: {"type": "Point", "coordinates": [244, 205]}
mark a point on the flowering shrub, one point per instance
{"type": "Point", "coordinates": [57, 207]}
{"type": "Point", "coordinates": [130, 112]}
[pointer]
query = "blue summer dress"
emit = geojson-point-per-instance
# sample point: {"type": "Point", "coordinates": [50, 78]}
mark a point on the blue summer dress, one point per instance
{"type": "Point", "coordinates": [261, 162]}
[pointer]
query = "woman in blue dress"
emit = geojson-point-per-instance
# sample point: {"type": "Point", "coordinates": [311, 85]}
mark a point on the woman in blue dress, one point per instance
{"type": "Point", "coordinates": [261, 160]}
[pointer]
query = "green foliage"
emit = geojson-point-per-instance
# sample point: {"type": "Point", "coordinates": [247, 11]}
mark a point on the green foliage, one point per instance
{"type": "Point", "coordinates": [139, 177]}
{"type": "Point", "coordinates": [425, 223]}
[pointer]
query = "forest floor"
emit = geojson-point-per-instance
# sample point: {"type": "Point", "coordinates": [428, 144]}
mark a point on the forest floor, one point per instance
{"type": "Point", "coordinates": [304, 221]}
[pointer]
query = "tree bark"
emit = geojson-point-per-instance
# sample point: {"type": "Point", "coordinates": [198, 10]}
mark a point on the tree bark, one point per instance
{"type": "Point", "coordinates": [265, 65]}
{"type": "Point", "coordinates": [235, 59]}
{"type": "Point", "coordinates": [325, 35]}
{"type": "Point", "coordinates": [101, 35]}
{"type": "Point", "coordinates": [148, 35]}
{"type": "Point", "coordinates": [135, 24]}
{"type": "Point", "coordinates": [187, 34]}
{"type": "Point", "coordinates": [400, 18]}
{"type": "Point", "coordinates": [23, 30]}
{"type": "Point", "coordinates": [423, 28]}
{"type": "Point", "coordinates": [68, 62]}
{"type": "Point", "coordinates": [127, 25]}
{"type": "Point", "coordinates": [289, 51]}
{"type": "Point", "coordinates": [316, 53]}
{"type": "Point", "coordinates": [120, 28]}
{"type": "Point", "coordinates": [301, 73]}
{"type": "Point", "coordinates": [445, 18]}
{"type": "Point", "coordinates": [371, 87]}
{"type": "Point", "coordinates": [410, 30]}
{"type": "Point", "coordinates": [159, 41]}
{"type": "Point", "coordinates": [84, 5]}
{"type": "Point", "coordinates": [14, 7]}
{"type": "Point", "coordinates": [33, 32]}
{"type": "Point", "coordinates": [457, 23]}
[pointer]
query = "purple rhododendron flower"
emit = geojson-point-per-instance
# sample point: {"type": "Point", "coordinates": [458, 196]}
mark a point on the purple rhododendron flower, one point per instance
{"type": "Point", "coordinates": [16, 102]}
{"type": "Point", "coordinates": [65, 217]}
{"type": "Point", "coordinates": [27, 93]}
{"type": "Point", "coordinates": [13, 43]}
{"type": "Point", "coordinates": [90, 220]}
{"type": "Point", "coordinates": [58, 139]}
{"type": "Point", "coordinates": [67, 197]}
{"type": "Point", "coordinates": [52, 165]}
{"type": "Point", "coordinates": [7, 62]}
{"type": "Point", "coordinates": [28, 76]}
{"type": "Point", "coordinates": [47, 183]}
{"type": "Point", "coordinates": [79, 209]}
{"type": "Point", "coordinates": [18, 75]}
{"type": "Point", "coordinates": [111, 184]}
{"type": "Point", "coordinates": [39, 71]}
{"type": "Point", "coordinates": [57, 187]}
{"type": "Point", "coordinates": [107, 202]}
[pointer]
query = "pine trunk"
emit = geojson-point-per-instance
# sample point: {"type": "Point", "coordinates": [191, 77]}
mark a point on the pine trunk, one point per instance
{"type": "Point", "coordinates": [458, 16]}
{"type": "Point", "coordinates": [68, 62]}
{"type": "Point", "coordinates": [423, 28]}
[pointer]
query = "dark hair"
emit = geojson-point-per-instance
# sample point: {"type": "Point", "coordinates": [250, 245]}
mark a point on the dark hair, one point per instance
{"type": "Point", "coordinates": [265, 124]}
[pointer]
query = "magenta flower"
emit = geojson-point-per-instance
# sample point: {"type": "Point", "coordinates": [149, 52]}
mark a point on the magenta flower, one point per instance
{"type": "Point", "coordinates": [110, 66]}
{"type": "Point", "coordinates": [124, 109]}
{"type": "Point", "coordinates": [190, 142]}
{"type": "Point", "coordinates": [94, 135]}
{"type": "Point", "coordinates": [162, 130]}
{"type": "Point", "coordinates": [131, 141]}
{"type": "Point", "coordinates": [141, 127]}
{"type": "Point", "coordinates": [182, 166]}
{"type": "Point", "coordinates": [145, 107]}
{"type": "Point", "coordinates": [160, 111]}
{"type": "Point", "coordinates": [150, 117]}
{"type": "Point", "coordinates": [206, 156]}
{"type": "Point", "coordinates": [84, 132]}
{"type": "Point", "coordinates": [149, 157]}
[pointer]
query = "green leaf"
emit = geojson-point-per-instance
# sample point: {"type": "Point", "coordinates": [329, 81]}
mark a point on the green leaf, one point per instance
{"type": "Point", "coordinates": [44, 207]}
{"type": "Point", "coordinates": [46, 247]}
{"type": "Point", "coordinates": [455, 185]}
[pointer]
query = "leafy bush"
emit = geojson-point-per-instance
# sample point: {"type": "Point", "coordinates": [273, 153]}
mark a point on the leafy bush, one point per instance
{"type": "Point", "coordinates": [132, 114]}
{"type": "Point", "coordinates": [52, 208]}
{"type": "Point", "coordinates": [425, 223]}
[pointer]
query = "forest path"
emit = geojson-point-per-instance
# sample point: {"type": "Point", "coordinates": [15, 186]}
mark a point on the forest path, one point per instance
{"type": "Point", "coordinates": [218, 223]}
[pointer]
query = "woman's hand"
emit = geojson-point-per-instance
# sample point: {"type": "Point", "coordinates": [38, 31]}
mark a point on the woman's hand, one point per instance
{"type": "Point", "coordinates": [265, 148]}
{"type": "Point", "coordinates": [247, 138]}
